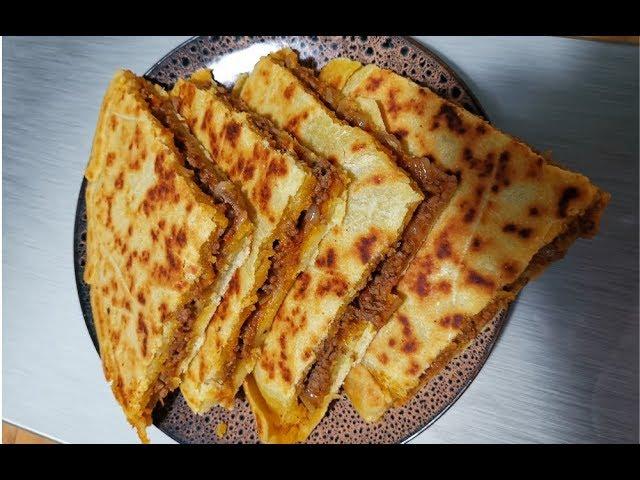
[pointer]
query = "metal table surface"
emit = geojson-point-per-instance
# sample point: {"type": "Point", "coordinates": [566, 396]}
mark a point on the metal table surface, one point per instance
{"type": "Point", "coordinates": [565, 368]}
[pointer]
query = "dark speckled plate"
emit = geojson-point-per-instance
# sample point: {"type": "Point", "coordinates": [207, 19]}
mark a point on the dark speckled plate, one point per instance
{"type": "Point", "coordinates": [228, 57]}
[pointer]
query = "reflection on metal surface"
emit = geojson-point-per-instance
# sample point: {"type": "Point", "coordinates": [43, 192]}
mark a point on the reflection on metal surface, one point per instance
{"type": "Point", "coordinates": [227, 68]}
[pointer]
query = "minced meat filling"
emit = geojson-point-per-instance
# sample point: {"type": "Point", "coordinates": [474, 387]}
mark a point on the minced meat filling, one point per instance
{"type": "Point", "coordinates": [287, 251]}
{"type": "Point", "coordinates": [292, 231]}
{"type": "Point", "coordinates": [210, 179]}
{"type": "Point", "coordinates": [166, 381]}
{"type": "Point", "coordinates": [376, 301]}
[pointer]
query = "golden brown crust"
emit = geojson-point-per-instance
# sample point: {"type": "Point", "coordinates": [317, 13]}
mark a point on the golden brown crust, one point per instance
{"type": "Point", "coordinates": [585, 226]}
{"type": "Point", "coordinates": [376, 301]}
{"type": "Point", "coordinates": [509, 204]}
{"type": "Point", "coordinates": [153, 238]}
{"type": "Point", "coordinates": [290, 193]}
{"type": "Point", "coordinates": [347, 256]}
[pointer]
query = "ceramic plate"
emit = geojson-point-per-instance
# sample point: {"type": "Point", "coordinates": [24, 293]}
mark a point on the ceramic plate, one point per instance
{"type": "Point", "coordinates": [228, 57]}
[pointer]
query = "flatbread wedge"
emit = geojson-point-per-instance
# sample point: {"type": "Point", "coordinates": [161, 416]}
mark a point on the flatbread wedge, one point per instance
{"type": "Point", "coordinates": [378, 299]}
{"type": "Point", "coordinates": [164, 230]}
{"type": "Point", "coordinates": [381, 199]}
{"type": "Point", "coordinates": [513, 213]}
{"type": "Point", "coordinates": [291, 194]}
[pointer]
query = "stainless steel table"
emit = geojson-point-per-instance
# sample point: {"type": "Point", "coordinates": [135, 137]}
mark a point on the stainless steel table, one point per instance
{"type": "Point", "coordinates": [566, 366]}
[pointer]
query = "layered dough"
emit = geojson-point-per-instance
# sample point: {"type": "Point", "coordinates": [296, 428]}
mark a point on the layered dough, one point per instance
{"type": "Point", "coordinates": [512, 213]}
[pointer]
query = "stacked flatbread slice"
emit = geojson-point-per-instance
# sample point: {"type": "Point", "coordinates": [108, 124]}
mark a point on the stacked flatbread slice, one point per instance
{"type": "Point", "coordinates": [165, 230]}
{"type": "Point", "coordinates": [291, 195]}
{"type": "Point", "coordinates": [307, 340]}
{"type": "Point", "coordinates": [513, 213]}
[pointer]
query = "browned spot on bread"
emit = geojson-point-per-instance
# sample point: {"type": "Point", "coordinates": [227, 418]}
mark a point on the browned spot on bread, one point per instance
{"type": "Point", "coordinates": [161, 223]}
{"type": "Point", "coordinates": [154, 235]}
{"type": "Point", "coordinates": [406, 327]}
{"type": "Point", "coordinates": [525, 232]}
{"type": "Point", "coordinates": [232, 132]}
{"type": "Point", "coordinates": [269, 367]}
{"type": "Point", "coordinates": [242, 168]}
{"type": "Point", "coordinates": [294, 122]}
{"type": "Point", "coordinates": [141, 328]}
{"type": "Point", "coordinates": [568, 194]}
{"type": "Point", "coordinates": [444, 248]}
{"type": "Point", "coordinates": [469, 215]}
{"type": "Point", "coordinates": [393, 107]}
{"type": "Point", "coordinates": [422, 286]}
{"type": "Point", "coordinates": [284, 370]}
{"type": "Point", "coordinates": [444, 286]}
{"type": "Point", "coordinates": [373, 83]}
{"type": "Point", "coordinates": [425, 265]}
{"type": "Point", "coordinates": [288, 91]}
{"type": "Point", "coordinates": [137, 136]}
{"type": "Point", "coordinates": [451, 321]}
{"type": "Point", "coordinates": [163, 191]}
{"type": "Point", "coordinates": [418, 105]}
{"type": "Point", "coordinates": [110, 158]}
{"type": "Point", "coordinates": [475, 278]}
{"type": "Point", "coordinates": [113, 122]}
{"type": "Point", "coordinates": [130, 230]}
{"type": "Point", "coordinates": [357, 146]}
{"type": "Point", "coordinates": [334, 284]}
{"type": "Point", "coordinates": [392, 342]}
{"type": "Point", "coordinates": [448, 113]}
{"type": "Point", "coordinates": [277, 167]}
{"type": "Point", "coordinates": [410, 346]}
{"type": "Point", "coordinates": [384, 358]}
{"type": "Point", "coordinates": [376, 179]}
{"type": "Point", "coordinates": [509, 228]}
{"type": "Point", "coordinates": [306, 355]}
{"type": "Point", "coordinates": [364, 246]}
{"type": "Point", "coordinates": [262, 194]}
{"type": "Point", "coordinates": [487, 167]}
{"type": "Point", "coordinates": [300, 287]}
{"type": "Point", "coordinates": [413, 369]}
{"type": "Point", "coordinates": [109, 200]}
{"type": "Point", "coordinates": [481, 129]}
{"type": "Point", "coordinates": [141, 298]}
{"type": "Point", "coordinates": [181, 237]}
{"type": "Point", "coordinates": [282, 340]}
{"type": "Point", "coordinates": [144, 256]}
{"type": "Point", "coordinates": [327, 260]}
{"type": "Point", "coordinates": [534, 212]}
